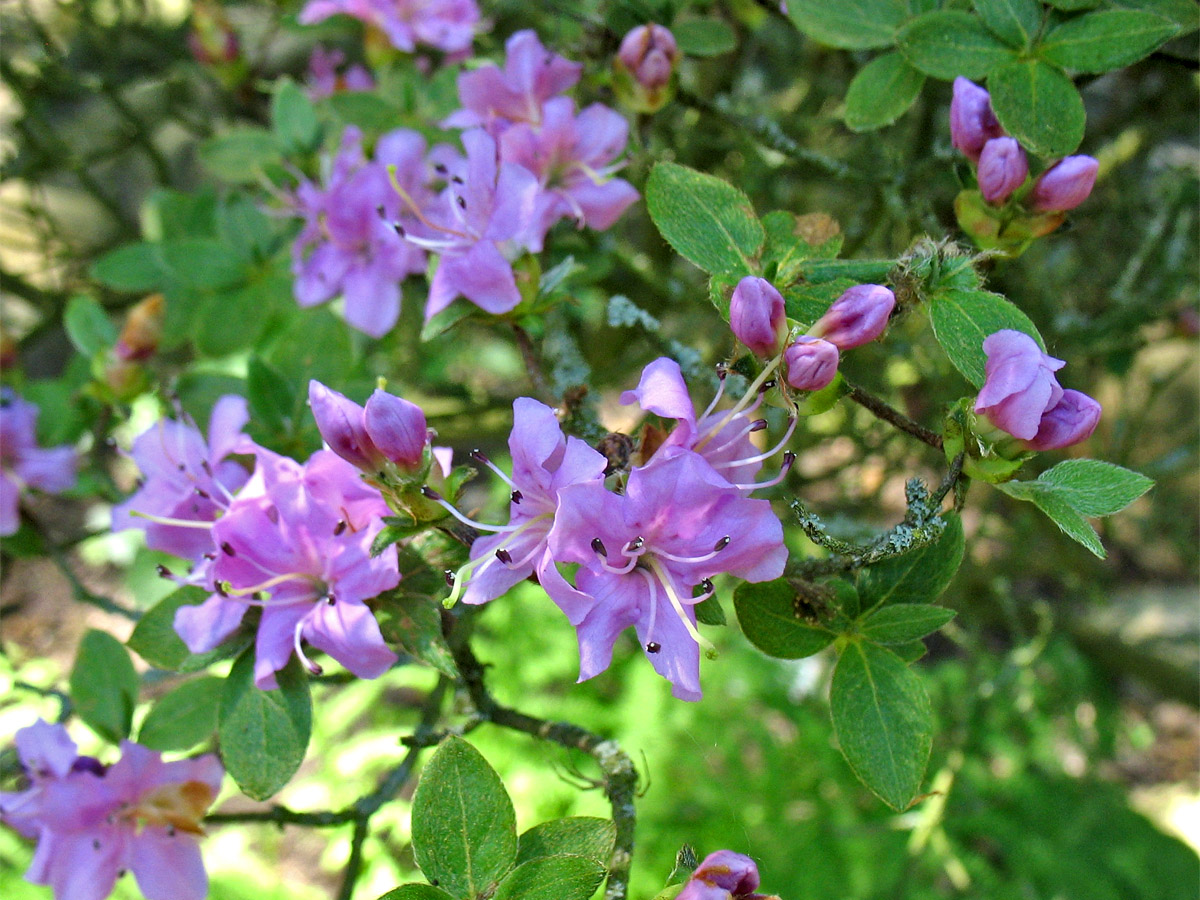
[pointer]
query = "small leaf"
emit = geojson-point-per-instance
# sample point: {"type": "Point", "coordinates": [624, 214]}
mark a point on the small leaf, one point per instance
{"type": "Point", "coordinates": [1106, 39]}
{"type": "Point", "coordinates": [1096, 488]}
{"type": "Point", "coordinates": [184, 717]}
{"type": "Point", "coordinates": [904, 622]}
{"type": "Point", "coordinates": [365, 109]}
{"type": "Point", "coordinates": [1184, 13]}
{"type": "Point", "coordinates": [264, 734]}
{"type": "Point", "coordinates": [271, 397]}
{"type": "Point", "coordinates": [710, 612]}
{"type": "Point", "coordinates": [576, 835]}
{"type": "Point", "coordinates": [792, 240]}
{"type": "Point", "coordinates": [234, 320]}
{"type": "Point", "coordinates": [88, 325]}
{"type": "Point", "coordinates": [464, 831]}
{"type": "Point", "coordinates": [1060, 511]}
{"type": "Point", "coordinates": [293, 118]}
{"type": "Point", "coordinates": [949, 43]}
{"type": "Point", "coordinates": [849, 24]}
{"type": "Point", "coordinates": [918, 576]}
{"type": "Point", "coordinates": [882, 92]}
{"type": "Point", "coordinates": [708, 221]}
{"type": "Point", "coordinates": [771, 619]}
{"type": "Point", "coordinates": [552, 878]}
{"type": "Point", "coordinates": [134, 268]}
{"type": "Point", "coordinates": [1015, 22]}
{"type": "Point", "coordinates": [203, 263]}
{"type": "Point", "coordinates": [239, 156]}
{"type": "Point", "coordinates": [962, 320]}
{"type": "Point", "coordinates": [883, 721]}
{"type": "Point", "coordinates": [154, 638]}
{"type": "Point", "coordinates": [1039, 106]}
{"type": "Point", "coordinates": [704, 37]}
{"type": "Point", "coordinates": [1072, 5]}
{"type": "Point", "coordinates": [414, 623]}
{"type": "Point", "coordinates": [104, 685]}
{"type": "Point", "coordinates": [417, 892]}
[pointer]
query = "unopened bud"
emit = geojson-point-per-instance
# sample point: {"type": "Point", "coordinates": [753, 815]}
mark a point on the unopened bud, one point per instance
{"type": "Point", "coordinates": [340, 421]}
{"type": "Point", "coordinates": [645, 64]}
{"type": "Point", "coordinates": [397, 428]}
{"type": "Point", "coordinates": [1065, 184]}
{"type": "Point", "coordinates": [142, 329]}
{"type": "Point", "coordinates": [811, 363]}
{"type": "Point", "coordinates": [1002, 169]}
{"type": "Point", "coordinates": [857, 317]}
{"type": "Point", "coordinates": [756, 315]}
{"type": "Point", "coordinates": [1071, 420]}
{"type": "Point", "coordinates": [972, 122]}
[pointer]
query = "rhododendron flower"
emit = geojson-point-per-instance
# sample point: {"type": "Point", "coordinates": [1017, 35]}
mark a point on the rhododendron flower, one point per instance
{"type": "Point", "coordinates": [298, 546]}
{"type": "Point", "coordinates": [972, 122]}
{"type": "Point", "coordinates": [186, 479]}
{"type": "Point", "coordinates": [723, 875]}
{"type": "Point", "coordinates": [448, 25]}
{"type": "Point", "coordinates": [677, 525]}
{"type": "Point", "coordinates": [93, 823]}
{"type": "Point", "coordinates": [857, 317]}
{"type": "Point", "coordinates": [649, 54]}
{"type": "Point", "coordinates": [495, 98]}
{"type": "Point", "coordinates": [1065, 184]}
{"type": "Point", "coordinates": [811, 363]}
{"type": "Point", "coordinates": [1020, 386]}
{"type": "Point", "coordinates": [1002, 169]}
{"type": "Point", "coordinates": [388, 429]}
{"type": "Point", "coordinates": [23, 463]}
{"type": "Point", "coordinates": [756, 316]}
{"type": "Point", "coordinates": [1071, 420]}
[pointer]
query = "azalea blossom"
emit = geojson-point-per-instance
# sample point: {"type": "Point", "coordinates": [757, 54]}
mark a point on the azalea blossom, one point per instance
{"type": "Point", "coordinates": [23, 464]}
{"type": "Point", "coordinates": [1020, 386]}
{"type": "Point", "coordinates": [448, 25]}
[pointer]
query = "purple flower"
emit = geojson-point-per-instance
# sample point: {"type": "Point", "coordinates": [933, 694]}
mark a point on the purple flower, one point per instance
{"type": "Point", "coordinates": [649, 53]}
{"type": "Point", "coordinates": [23, 464]}
{"type": "Point", "coordinates": [543, 464]}
{"type": "Point", "coordinates": [857, 317]}
{"type": "Point", "coordinates": [448, 25]}
{"type": "Point", "coordinates": [972, 122]}
{"type": "Point", "coordinates": [677, 525]}
{"type": "Point", "coordinates": [495, 99]}
{"type": "Point", "coordinates": [93, 822]}
{"type": "Point", "coordinates": [1065, 184]}
{"type": "Point", "coordinates": [756, 316]}
{"type": "Point", "coordinates": [299, 548]}
{"type": "Point", "coordinates": [324, 79]}
{"type": "Point", "coordinates": [187, 482]}
{"type": "Point", "coordinates": [1020, 387]}
{"type": "Point", "coordinates": [572, 157]}
{"type": "Point", "coordinates": [724, 875]}
{"type": "Point", "coordinates": [1002, 169]}
{"type": "Point", "coordinates": [811, 363]}
{"type": "Point", "coordinates": [1071, 420]}
{"type": "Point", "coordinates": [388, 429]}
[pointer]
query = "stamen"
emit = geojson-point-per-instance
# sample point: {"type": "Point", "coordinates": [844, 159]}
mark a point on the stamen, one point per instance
{"type": "Point", "coordinates": [437, 498]}
{"type": "Point", "coordinates": [751, 396]}
{"type": "Point", "coordinates": [163, 520]}
{"type": "Point", "coordinates": [766, 454]}
{"type": "Point", "coordinates": [268, 584]}
{"type": "Point", "coordinates": [665, 580]}
{"type": "Point", "coordinates": [504, 556]}
{"type": "Point", "coordinates": [635, 545]}
{"type": "Point", "coordinates": [312, 667]}
{"type": "Point", "coordinates": [339, 528]}
{"type": "Point", "coordinates": [598, 546]}
{"type": "Point", "coordinates": [722, 372]}
{"type": "Point", "coordinates": [416, 209]}
{"type": "Point", "coordinates": [227, 548]}
{"type": "Point", "coordinates": [788, 459]}
{"type": "Point", "coordinates": [523, 561]}
{"type": "Point", "coordinates": [163, 571]}
{"type": "Point", "coordinates": [516, 496]}
{"type": "Point", "coordinates": [653, 647]}
{"type": "Point", "coordinates": [479, 457]}
{"type": "Point", "coordinates": [721, 545]}
{"type": "Point", "coordinates": [450, 579]}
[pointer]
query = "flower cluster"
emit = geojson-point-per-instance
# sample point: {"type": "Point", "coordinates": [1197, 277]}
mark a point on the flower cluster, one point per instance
{"type": "Point", "coordinates": [95, 822]}
{"type": "Point", "coordinates": [325, 80]}
{"type": "Point", "coordinates": [446, 25]}
{"type": "Point", "coordinates": [724, 875]}
{"type": "Point", "coordinates": [23, 464]}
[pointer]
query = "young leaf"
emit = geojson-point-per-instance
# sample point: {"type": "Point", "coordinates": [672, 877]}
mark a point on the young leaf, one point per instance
{"type": "Point", "coordinates": [1096, 488]}
{"type": "Point", "coordinates": [271, 397]}
{"type": "Point", "coordinates": [771, 620]}
{"type": "Point", "coordinates": [464, 830]}
{"type": "Point", "coordinates": [708, 221]}
{"type": "Point", "coordinates": [1038, 105]}
{"type": "Point", "coordinates": [903, 623]}
{"type": "Point", "coordinates": [949, 43]}
{"type": "Point", "coordinates": [264, 734]}
{"type": "Point", "coordinates": [849, 24]}
{"type": "Point", "coordinates": [883, 721]}
{"type": "Point", "coordinates": [552, 878]}
{"type": "Point", "coordinates": [88, 325]}
{"type": "Point", "coordinates": [963, 319]}
{"type": "Point", "coordinates": [577, 835]}
{"type": "Point", "coordinates": [882, 92]}
{"type": "Point", "coordinates": [104, 685]}
{"type": "Point", "coordinates": [154, 638]}
{"type": "Point", "coordinates": [1016, 22]}
{"type": "Point", "coordinates": [184, 717]}
{"type": "Point", "coordinates": [704, 37]}
{"type": "Point", "coordinates": [1060, 511]}
{"type": "Point", "coordinates": [918, 576]}
{"type": "Point", "coordinates": [1106, 39]}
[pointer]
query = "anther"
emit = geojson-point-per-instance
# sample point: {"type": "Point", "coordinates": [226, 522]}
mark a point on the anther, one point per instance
{"type": "Point", "coordinates": [210, 556]}
{"type": "Point", "coordinates": [222, 588]}
{"type": "Point", "coordinates": [767, 385]}
{"type": "Point", "coordinates": [206, 467]}
{"type": "Point", "coordinates": [182, 467]}
{"type": "Point", "coordinates": [706, 585]}
{"type": "Point", "coordinates": [788, 459]}
{"type": "Point", "coordinates": [479, 456]}
{"type": "Point", "coordinates": [200, 492]}
{"type": "Point", "coordinates": [399, 229]}
{"type": "Point", "coordinates": [440, 168]}
{"type": "Point", "coordinates": [758, 425]}
{"type": "Point", "coordinates": [722, 543]}
{"type": "Point", "coordinates": [598, 546]}
{"type": "Point", "coordinates": [227, 548]}
{"type": "Point", "coordinates": [429, 492]}
{"type": "Point", "coordinates": [516, 496]}
{"type": "Point", "coordinates": [503, 555]}
{"type": "Point", "coordinates": [653, 647]}
{"type": "Point", "coordinates": [462, 202]}
{"type": "Point", "coordinates": [636, 544]}
{"type": "Point", "coordinates": [330, 600]}
{"type": "Point", "coordinates": [722, 370]}
{"type": "Point", "coordinates": [449, 573]}
{"type": "Point", "coordinates": [339, 527]}
{"type": "Point", "coordinates": [457, 179]}
{"type": "Point", "coordinates": [163, 571]}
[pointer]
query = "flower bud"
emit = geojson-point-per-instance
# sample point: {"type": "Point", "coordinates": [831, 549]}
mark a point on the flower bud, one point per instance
{"type": "Point", "coordinates": [811, 363]}
{"type": "Point", "coordinates": [142, 329]}
{"type": "Point", "coordinates": [1065, 184]}
{"type": "Point", "coordinates": [857, 317]}
{"type": "Point", "coordinates": [723, 875]}
{"type": "Point", "coordinates": [397, 428]}
{"type": "Point", "coordinates": [1071, 420]}
{"type": "Point", "coordinates": [972, 122]}
{"type": "Point", "coordinates": [1002, 169]}
{"type": "Point", "coordinates": [1019, 387]}
{"type": "Point", "coordinates": [756, 316]}
{"type": "Point", "coordinates": [340, 421]}
{"type": "Point", "coordinates": [645, 63]}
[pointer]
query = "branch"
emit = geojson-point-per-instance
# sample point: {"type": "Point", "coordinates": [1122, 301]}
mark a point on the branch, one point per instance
{"type": "Point", "coordinates": [892, 416]}
{"type": "Point", "coordinates": [533, 365]}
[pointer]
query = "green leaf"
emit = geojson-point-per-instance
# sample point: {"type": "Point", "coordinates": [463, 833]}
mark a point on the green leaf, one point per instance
{"type": "Point", "coordinates": [170, 215]}
{"type": "Point", "coordinates": [272, 399]}
{"type": "Point", "coordinates": [104, 685]}
{"type": "Point", "coordinates": [576, 835]}
{"type": "Point", "coordinates": [918, 576]}
{"type": "Point", "coordinates": [134, 268]}
{"type": "Point", "coordinates": [710, 612]}
{"type": "Point", "coordinates": [416, 892]}
{"type": "Point", "coordinates": [88, 325]}
{"type": "Point", "coordinates": [414, 622]}
{"type": "Point", "coordinates": [293, 118]}
{"type": "Point", "coordinates": [1060, 511]}
{"type": "Point", "coordinates": [183, 718]}
{"type": "Point", "coordinates": [792, 240]}
{"type": "Point", "coordinates": [962, 320]}
{"type": "Point", "coordinates": [1105, 39]}
{"type": "Point", "coordinates": [1015, 22]}
{"type": "Point", "coordinates": [245, 228]}
{"type": "Point", "coordinates": [154, 638]}
{"type": "Point", "coordinates": [772, 620]}
{"type": "Point", "coordinates": [948, 43]}
{"type": "Point", "coordinates": [704, 37]}
{"type": "Point", "coordinates": [203, 263]}
{"type": "Point", "coordinates": [1096, 488]}
{"type": "Point", "coordinates": [1184, 13]}
{"type": "Point", "coordinates": [882, 92]}
{"type": "Point", "coordinates": [1072, 5]}
{"type": "Point", "coordinates": [316, 344]}
{"type": "Point", "coordinates": [849, 24]}
{"type": "Point", "coordinates": [464, 831]}
{"type": "Point", "coordinates": [883, 721]}
{"type": "Point", "coordinates": [708, 221]}
{"type": "Point", "coordinates": [904, 622]}
{"type": "Point", "coordinates": [365, 109]}
{"type": "Point", "coordinates": [552, 878]}
{"type": "Point", "coordinates": [239, 156]}
{"type": "Point", "coordinates": [1038, 105]}
{"type": "Point", "coordinates": [264, 734]}
{"type": "Point", "coordinates": [234, 320]}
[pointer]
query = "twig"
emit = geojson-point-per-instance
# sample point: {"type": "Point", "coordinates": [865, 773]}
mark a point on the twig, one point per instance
{"type": "Point", "coordinates": [533, 365]}
{"type": "Point", "coordinates": [892, 416]}
{"type": "Point", "coordinates": [81, 592]}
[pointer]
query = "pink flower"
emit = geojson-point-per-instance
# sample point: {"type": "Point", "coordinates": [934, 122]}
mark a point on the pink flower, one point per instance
{"type": "Point", "coordinates": [649, 53]}
{"type": "Point", "coordinates": [811, 363]}
{"type": "Point", "coordinates": [1071, 420]}
{"type": "Point", "coordinates": [448, 25]}
{"type": "Point", "coordinates": [972, 122]}
{"type": "Point", "coordinates": [857, 317]}
{"type": "Point", "coordinates": [724, 875]}
{"type": "Point", "coordinates": [23, 464]}
{"type": "Point", "coordinates": [1065, 184]}
{"type": "Point", "coordinates": [1020, 386]}
{"type": "Point", "coordinates": [1002, 169]}
{"type": "Point", "coordinates": [756, 316]}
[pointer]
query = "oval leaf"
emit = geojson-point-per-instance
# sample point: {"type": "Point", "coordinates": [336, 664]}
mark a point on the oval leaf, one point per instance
{"type": "Point", "coordinates": [1106, 39]}
{"type": "Point", "coordinates": [552, 878]}
{"type": "Point", "coordinates": [577, 835]}
{"type": "Point", "coordinates": [154, 638]}
{"type": "Point", "coordinates": [264, 734]}
{"type": "Point", "coordinates": [238, 157]}
{"type": "Point", "coordinates": [882, 92]}
{"type": "Point", "coordinates": [104, 685]}
{"type": "Point", "coordinates": [416, 892]}
{"type": "Point", "coordinates": [849, 24]}
{"type": "Point", "coordinates": [1016, 22]}
{"type": "Point", "coordinates": [963, 319]}
{"type": "Point", "coordinates": [133, 268]}
{"type": "Point", "coordinates": [883, 721]}
{"type": "Point", "coordinates": [88, 325]}
{"type": "Point", "coordinates": [708, 221]}
{"type": "Point", "coordinates": [1039, 106]}
{"type": "Point", "coordinates": [704, 37]}
{"type": "Point", "coordinates": [946, 44]}
{"type": "Point", "coordinates": [1096, 488]}
{"type": "Point", "coordinates": [184, 717]}
{"type": "Point", "coordinates": [918, 576]}
{"type": "Point", "coordinates": [904, 622]}
{"type": "Point", "coordinates": [771, 620]}
{"type": "Point", "coordinates": [464, 830]}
